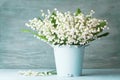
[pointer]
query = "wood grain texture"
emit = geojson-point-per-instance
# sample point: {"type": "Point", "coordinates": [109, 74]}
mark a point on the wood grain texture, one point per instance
{"type": "Point", "coordinates": [22, 50]}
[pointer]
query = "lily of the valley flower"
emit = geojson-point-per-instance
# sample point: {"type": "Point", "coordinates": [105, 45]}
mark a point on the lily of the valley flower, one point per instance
{"type": "Point", "coordinates": [68, 28]}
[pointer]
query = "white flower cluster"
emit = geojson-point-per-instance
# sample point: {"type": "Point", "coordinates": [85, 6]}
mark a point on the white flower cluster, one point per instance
{"type": "Point", "coordinates": [34, 73]}
{"type": "Point", "coordinates": [67, 28]}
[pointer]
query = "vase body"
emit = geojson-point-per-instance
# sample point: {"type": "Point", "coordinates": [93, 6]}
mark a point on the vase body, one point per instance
{"type": "Point", "coordinates": [69, 60]}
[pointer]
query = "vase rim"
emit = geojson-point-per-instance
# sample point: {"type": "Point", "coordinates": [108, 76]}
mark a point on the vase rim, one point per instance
{"type": "Point", "coordinates": [69, 45]}
{"type": "Point", "coordinates": [84, 45]}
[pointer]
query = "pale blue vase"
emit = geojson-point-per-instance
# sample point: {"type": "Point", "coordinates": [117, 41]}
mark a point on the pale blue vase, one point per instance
{"type": "Point", "coordinates": [69, 60]}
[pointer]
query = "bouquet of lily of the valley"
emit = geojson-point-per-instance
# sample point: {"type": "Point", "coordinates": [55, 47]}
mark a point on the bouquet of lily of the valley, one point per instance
{"type": "Point", "coordinates": [66, 28]}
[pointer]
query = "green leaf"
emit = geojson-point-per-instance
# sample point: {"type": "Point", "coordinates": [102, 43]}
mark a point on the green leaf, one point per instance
{"type": "Point", "coordinates": [53, 20]}
{"type": "Point", "coordinates": [34, 33]}
{"type": "Point", "coordinates": [25, 30]}
{"type": "Point", "coordinates": [103, 35]}
{"type": "Point", "coordinates": [77, 12]}
{"type": "Point", "coordinates": [102, 24]}
{"type": "Point", "coordinates": [92, 39]}
{"type": "Point", "coordinates": [40, 18]}
{"type": "Point", "coordinates": [54, 13]}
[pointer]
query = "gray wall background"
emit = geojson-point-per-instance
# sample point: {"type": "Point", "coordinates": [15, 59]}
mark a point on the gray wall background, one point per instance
{"type": "Point", "coordinates": [22, 50]}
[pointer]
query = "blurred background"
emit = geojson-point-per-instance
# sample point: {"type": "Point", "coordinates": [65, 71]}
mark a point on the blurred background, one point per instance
{"type": "Point", "coordinates": [22, 50]}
